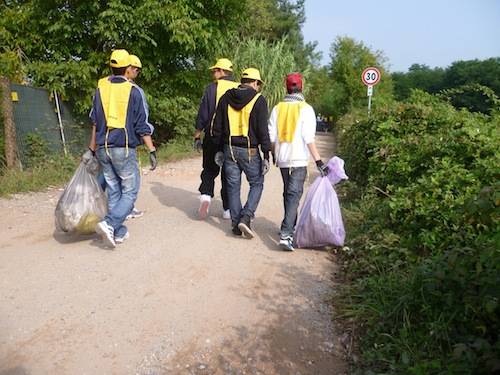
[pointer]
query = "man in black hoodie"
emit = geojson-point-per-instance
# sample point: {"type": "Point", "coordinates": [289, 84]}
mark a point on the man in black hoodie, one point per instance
{"type": "Point", "coordinates": [240, 127]}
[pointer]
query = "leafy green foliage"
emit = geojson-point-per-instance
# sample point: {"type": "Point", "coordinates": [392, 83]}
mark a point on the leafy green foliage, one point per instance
{"type": "Point", "coordinates": [419, 76]}
{"type": "Point", "coordinates": [423, 252]}
{"type": "Point", "coordinates": [474, 97]}
{"type": "Point", "coordinates": [66, 45]}
{"type": "Point", "coordinates": [37, 150]}
{"type": "Point", "coordinates": [275, 20]}
{"type": "Point", "coordinates": [472, 83]}
{"type": "Point", "coordinates": [339, 89]}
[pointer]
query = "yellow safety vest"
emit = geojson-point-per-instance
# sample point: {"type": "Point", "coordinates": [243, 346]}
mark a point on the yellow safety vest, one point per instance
{"type": "Point", "coordinates": [288, 116]}
{"type": "Point", "coordinates": [239, 122]}
{"type": "Point", "coordinates": [223, 85]}
{"type": "Point", "coordinates": [114, 99]}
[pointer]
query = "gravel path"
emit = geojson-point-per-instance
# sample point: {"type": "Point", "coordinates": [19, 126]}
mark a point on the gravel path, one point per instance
{"type": "Point", "coordinates": [181, 296]}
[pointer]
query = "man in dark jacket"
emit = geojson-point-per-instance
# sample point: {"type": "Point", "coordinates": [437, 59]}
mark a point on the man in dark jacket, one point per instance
{"type": "Point", "coordinates": [240, 128]}
{"type": "Point", "coordinates": [222, 73]}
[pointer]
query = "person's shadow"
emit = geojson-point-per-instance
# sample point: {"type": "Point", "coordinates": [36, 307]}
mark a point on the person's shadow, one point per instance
{"type": "Point", "coordinates": [188, 202]}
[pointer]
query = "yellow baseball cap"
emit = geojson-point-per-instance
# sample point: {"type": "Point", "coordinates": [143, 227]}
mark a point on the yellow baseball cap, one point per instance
{"type": "Point", "coordinates": [135, 61]}
{"type": "Point", "coordinates": [224, 64]}
{"type": "Point", "coordinates": [252, 73]}
{"type": "Point", "coordinates": [120, 58]}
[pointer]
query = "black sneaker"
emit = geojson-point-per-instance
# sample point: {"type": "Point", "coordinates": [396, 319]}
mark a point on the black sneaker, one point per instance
{"type": "Point", "coordinates": [244, 226]}
{"type": "Point", "coordinates": [236, 231]}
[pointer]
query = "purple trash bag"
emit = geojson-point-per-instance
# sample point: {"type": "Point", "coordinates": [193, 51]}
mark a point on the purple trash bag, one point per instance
{"type": "Point", "coordinates": [320, 222]}
{"type": "Point", "coordinates": [336, 171]}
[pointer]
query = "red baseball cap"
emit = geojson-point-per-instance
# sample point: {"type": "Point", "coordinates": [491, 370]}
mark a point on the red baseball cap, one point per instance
{"type": "Point", "coordinates": [294, 81]}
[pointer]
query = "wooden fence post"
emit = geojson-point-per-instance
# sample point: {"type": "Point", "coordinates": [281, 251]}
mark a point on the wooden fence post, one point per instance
{"type": "Point", "coordinates": [8, 124]}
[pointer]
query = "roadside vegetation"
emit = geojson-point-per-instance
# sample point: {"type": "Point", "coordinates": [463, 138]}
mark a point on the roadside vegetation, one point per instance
{"type": "Point", "coordinates": [423, 260]}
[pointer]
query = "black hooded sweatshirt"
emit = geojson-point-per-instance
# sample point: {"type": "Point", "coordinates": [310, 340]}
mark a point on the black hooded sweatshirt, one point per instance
{"type": "Point", "coordinates": [257, 132]}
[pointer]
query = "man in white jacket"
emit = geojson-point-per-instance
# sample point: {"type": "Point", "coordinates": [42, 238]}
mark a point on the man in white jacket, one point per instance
{"type": "Point", "coordinates": [292, 128]}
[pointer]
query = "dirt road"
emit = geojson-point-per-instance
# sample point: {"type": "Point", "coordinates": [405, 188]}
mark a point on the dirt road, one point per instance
{"type": "Point", "coordinates": [181, 296]}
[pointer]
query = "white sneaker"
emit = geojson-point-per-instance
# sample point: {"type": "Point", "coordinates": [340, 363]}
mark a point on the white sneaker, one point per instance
{"type": "Point", "coordinates": [287, 243]}
{"type": "Point", "coordinates": [204, 206]}
{"type": "Point", "coordinates": [107, 233]}
{"type": "Point", "coordinates": [134, 214]}
{"type": "Point", "coordinates": [120, 239]}
{"type": "Point", "coordinates": [226, 215]}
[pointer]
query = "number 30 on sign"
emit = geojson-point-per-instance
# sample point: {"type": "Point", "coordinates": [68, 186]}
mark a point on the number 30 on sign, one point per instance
{"type": "Point", "coordinates": [370, 76]}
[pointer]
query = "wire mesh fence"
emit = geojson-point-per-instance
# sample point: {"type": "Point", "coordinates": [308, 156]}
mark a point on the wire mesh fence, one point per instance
{"type": "Point", "coordinates": [35, 117]}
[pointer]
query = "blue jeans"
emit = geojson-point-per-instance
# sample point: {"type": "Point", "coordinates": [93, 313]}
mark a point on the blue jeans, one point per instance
{"type": "Point", "coordinates": [102, 181]}
{"type": "Point", "coordinates": [293, 187]}
{"type": "Point", "coordinates": [251, 166]}
{"type": "Point", "coordinates": [121, 173]}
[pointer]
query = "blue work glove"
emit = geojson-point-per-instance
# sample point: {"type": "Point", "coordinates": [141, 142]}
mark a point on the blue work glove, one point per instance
{"type": "Point", "coordinates": [197, 144]}
{"type": "Point", "coordinates": [322, 168]}
{"type": "Point", "coordinates": [219, 158]}
{"type": "Point", "coordinates": [152, 160]}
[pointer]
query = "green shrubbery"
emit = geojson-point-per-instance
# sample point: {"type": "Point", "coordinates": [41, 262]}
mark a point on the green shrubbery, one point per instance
{"type": "Point", "coordinates": [423, 237]}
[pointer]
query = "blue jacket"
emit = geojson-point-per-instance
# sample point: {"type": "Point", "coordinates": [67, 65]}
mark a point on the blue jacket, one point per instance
{"type": "Point", "coordinates": [136, 122]}
{"type": "Point", "coordinates": [207, 106]}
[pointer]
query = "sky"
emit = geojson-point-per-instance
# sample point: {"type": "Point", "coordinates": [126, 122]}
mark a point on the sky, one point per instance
{"type": "Point", "coordinates": [431, 32]}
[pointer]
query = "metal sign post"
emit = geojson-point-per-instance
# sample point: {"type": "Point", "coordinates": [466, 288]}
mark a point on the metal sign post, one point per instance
{"type": "Point", "coordinates": [370, 77]}
{"type": "Point", "coordinates": [61, 128]}
{"type": "Point", "coordinates": [369, 92]}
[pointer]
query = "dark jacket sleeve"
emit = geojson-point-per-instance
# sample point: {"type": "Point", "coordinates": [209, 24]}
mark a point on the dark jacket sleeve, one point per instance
{"type": "Point", "coordinates": [220, 120]}
{"type": "Point", "coordinates": [207, 108]}
{"type": "Point", "coordinates": [262, 130]}
{"type": "Point", "coordinates": [141, 126]}
{"type": "Point", "coordinates": [95, 102]}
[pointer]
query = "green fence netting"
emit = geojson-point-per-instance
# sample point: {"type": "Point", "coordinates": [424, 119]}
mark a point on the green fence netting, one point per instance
{"type": "Point", "coordinates": [35, 113]}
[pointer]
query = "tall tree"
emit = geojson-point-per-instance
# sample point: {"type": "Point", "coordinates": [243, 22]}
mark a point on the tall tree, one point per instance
{"type": "Point", "coordinates": [468, 83]}
{"type": "Point", "coordinates": [66, 44]}
{"type": "Point", "coordinates": [342, 90]}
{"type": "Point", "coordinates": [272, 20]}
{"type": "Point", "coordinates": [485, 73]}
{"type": "Point", "coordinates": [419, 76]}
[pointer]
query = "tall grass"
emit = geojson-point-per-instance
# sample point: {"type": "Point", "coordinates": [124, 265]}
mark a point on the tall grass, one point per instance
{"type": "Point", "coordinates": [54, 172]}
{"type": "Point", "coordinates": [274, 61]}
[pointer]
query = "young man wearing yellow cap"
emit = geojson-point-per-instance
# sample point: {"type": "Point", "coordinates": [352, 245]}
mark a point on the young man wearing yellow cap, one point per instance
{"type": "Point", "coordinates": [222, 73]}
{"type": "Point", "coordinates": [292, 127]}
{"type": "Point", "coordinates": [240, 128]}
{"type": "Point", "coordinates": [119, 124]}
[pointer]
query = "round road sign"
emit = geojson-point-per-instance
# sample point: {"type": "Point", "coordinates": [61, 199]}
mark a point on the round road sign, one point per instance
{"type": "Point", "coordinates": [370, 76]}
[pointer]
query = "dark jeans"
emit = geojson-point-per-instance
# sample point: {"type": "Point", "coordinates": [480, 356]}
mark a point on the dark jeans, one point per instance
{"type": "Point", "coordinates": [293, 187]}
{"type": "Point", "coordinates": [211, 171]}
{"type": "Point", "coordinates": [251, 166]}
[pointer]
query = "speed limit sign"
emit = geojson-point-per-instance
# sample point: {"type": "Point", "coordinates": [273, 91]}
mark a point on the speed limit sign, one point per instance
{"type": "Point", "coordinates": [370, 76]}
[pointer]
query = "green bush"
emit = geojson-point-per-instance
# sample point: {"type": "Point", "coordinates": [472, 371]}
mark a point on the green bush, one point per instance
{"type": "Point", "coordinates": [37, 150]}
{"type": "Point", "coordinates": [423, 244]}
